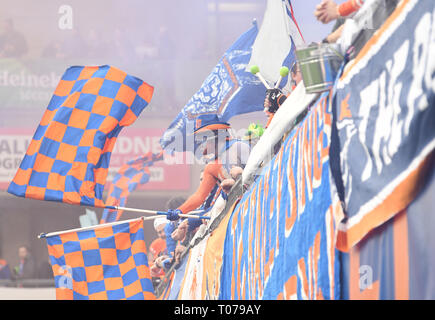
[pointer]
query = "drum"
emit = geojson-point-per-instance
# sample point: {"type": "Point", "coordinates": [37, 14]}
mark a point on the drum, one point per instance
{"type": "Point", "coordinates": [319, 65]}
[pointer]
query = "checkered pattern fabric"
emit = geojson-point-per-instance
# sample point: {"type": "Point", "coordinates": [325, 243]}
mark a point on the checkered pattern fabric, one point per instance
{"type": "Point", "coordinates": [126, 180]}
{"type": "Point", "coordinates": [105, 263]}
{"type": "Point", "coordinates": [68, 157]}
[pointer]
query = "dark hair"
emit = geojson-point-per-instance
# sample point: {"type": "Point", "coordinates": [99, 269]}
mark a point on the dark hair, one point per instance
{"type": "Point", "coordinates": [295, 67]}
{"type": "Point", "coordinates": [175, 202]}
{"type": "Point", "coordinates": [25, 246]}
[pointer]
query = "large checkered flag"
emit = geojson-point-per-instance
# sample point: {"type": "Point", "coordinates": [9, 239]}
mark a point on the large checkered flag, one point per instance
{"type": "Point", "coordinates": [104, 262]}
{"type": "Point", "coordinates": [68, 157]}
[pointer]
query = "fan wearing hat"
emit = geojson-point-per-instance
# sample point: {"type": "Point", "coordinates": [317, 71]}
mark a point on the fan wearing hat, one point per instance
{"type": "Point", "coordinates": [222, 153]}
{"type": "Point", "coordinates": [273, 100]}
{"type": "Point", "coordinates": [275, 97]}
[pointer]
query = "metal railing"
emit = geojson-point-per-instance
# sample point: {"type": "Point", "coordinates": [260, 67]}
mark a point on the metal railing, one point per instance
{"type": "Point", "coordinates": [27, 283]}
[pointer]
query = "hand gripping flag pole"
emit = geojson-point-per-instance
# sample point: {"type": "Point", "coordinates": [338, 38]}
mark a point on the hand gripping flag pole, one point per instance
{"type": "Point", "coordinates": [159, 213]}
{"type": "Point", "coordinates": [256, 71]}
{"type": "Point", "coordinates": [283, 72]}
{"type": "Point", "coordinates": [101, 262]}
{"type": "Point", "coordinates": [51, 234]}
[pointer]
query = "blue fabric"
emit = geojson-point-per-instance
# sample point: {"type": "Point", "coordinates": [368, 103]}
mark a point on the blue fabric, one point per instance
{"type": "Point", "coordinates": [171, 244]}
{"type": "Point", "coordinates": [229, 90]}
{"type": "Point", "coordinates": [384, 114]}
{"type": "Point", "coordinates": [284, 223]}
{"type": "Point", "coordinates": [5, 272]}
{"type": "Point", "coordinates": [173, 214]}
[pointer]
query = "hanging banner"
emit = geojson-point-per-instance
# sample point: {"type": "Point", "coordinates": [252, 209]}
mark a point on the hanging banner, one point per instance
{"type": "Point", "coordinates": [385, 121]}
{"type": "Point", "coordinates": [392, 261]}
{"type": "Point", "coordinates": [280, 238]}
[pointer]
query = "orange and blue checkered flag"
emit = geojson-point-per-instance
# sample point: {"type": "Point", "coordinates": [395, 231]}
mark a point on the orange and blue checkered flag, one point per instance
{"type": "Point", "coordinates": [103, 262]}
{"type": "Point", "coordinates": [68, 157]}
{"type": "Point", "coordinates": [126, 180]}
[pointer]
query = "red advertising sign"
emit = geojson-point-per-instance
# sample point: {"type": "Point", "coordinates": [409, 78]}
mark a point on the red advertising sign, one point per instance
{"type": "Point", "coordinates": [131, 143]}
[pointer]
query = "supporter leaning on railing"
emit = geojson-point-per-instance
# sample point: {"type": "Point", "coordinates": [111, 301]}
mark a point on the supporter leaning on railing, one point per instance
{"type": "Point", "coordinates": [223, 154]}
{"type": "Point", "coordinates": [328, 11]}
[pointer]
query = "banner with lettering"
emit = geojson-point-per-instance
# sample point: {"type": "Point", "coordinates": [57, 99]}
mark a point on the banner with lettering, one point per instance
{"type": "Point", "coordinates": [280, 240]}
{"type": "Point", "coordinates": [384, 111]}
{"type": "Point", "coordinates": [204, 259]}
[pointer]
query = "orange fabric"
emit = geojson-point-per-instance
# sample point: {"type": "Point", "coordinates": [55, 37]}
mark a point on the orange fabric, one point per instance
{"type": "Point", "coordinates": [145, 92]}
{"type": "Point", "coordinates": [79, 119]}
{"type": "Point", "coordinates": [402, 195]}
{"type": "Point", "coordinates": [269, 120]}
{"type": "Point", "coordinates": [115, 75]}
{"type": "Point", "coordinates": [215, 126]}
{"type": "Point", "coordinates": [213, 172]}
{"type": "Point", "coordinates": [355, 293]}
{"type": "Point", "coordinates": [93, 86]}
{"type": "Point", "coordinates": [349, 7]}
{"type": "Point", "coordinates": [401, 256]}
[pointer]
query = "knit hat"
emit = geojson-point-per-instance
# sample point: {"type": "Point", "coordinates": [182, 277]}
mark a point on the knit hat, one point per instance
{"type": "Point", "coordinates": [159, 221]}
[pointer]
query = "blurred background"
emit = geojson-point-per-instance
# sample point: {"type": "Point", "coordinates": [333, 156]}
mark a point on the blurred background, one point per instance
{"type": "Point", "coordinates": [172, 45]}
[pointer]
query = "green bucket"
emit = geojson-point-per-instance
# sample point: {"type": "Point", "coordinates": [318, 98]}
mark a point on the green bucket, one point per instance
{"type": "Point", "coordinates": [319, 65]}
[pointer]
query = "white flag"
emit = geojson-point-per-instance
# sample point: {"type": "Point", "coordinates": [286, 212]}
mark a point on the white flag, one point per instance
{"type": "Point", "coordinates": [274, 40]}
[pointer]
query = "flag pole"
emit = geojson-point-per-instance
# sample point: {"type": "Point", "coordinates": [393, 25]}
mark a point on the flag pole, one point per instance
{"type": "Point", "coordinates": [256, 71]}
{"type": "Point", "coordinates": [157, 212]}
{"type": "Point", "coordinates": [97, 226]}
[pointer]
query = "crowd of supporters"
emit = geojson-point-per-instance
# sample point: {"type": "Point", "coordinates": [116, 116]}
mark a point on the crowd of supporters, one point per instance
{"type": "Point", "coordinates": [218, 176]}
{"type": "Point", "coordinates": [224, 154]}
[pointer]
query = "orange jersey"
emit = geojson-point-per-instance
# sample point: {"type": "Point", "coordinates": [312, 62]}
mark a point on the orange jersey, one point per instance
{"type": "Point", "coordinates": [214, 173]}
{"type": "Point", "coordinates": [349, 7]}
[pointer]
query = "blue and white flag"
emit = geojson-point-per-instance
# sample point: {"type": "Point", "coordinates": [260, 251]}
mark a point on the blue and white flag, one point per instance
{"type": "Point", "coordinates": [229, 90]}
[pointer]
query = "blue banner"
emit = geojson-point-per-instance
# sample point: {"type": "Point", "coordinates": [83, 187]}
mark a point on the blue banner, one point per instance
{"type": "Point", "coordinates": [280, 238]}
{"type": "Point", "coordinates": [384, 117]}
{"type": "Point", "coordinates": [393, 261]}
{"type": "Point", "coordinates": [229, 90]}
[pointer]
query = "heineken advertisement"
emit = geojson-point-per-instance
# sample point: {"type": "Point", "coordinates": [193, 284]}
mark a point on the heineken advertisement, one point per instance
{"type": "Point", "coordinates": [27, 85]}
